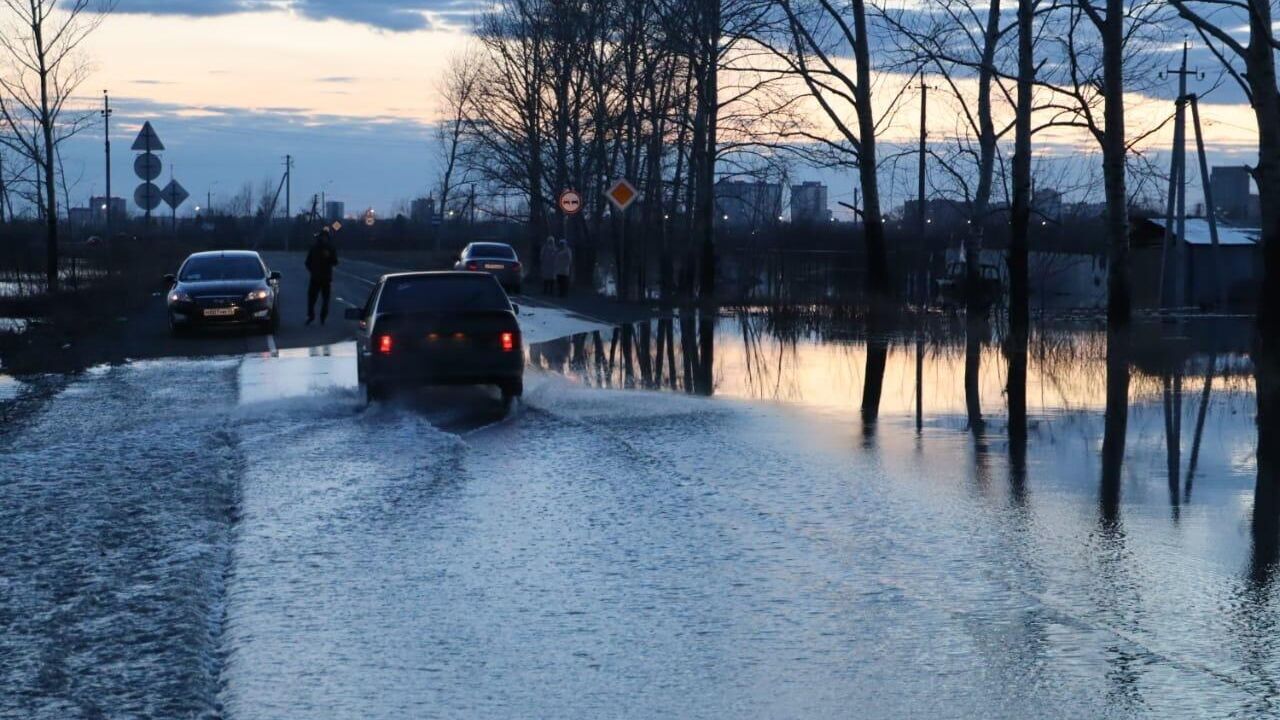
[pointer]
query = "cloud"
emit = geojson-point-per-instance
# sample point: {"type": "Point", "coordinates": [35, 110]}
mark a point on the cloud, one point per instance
{"type": "Point", "coordinates": [393, 15]}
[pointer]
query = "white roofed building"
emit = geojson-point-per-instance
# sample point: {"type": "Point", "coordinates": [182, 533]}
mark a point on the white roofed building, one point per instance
{"type": "Point", "coordinates": [1232, 270]}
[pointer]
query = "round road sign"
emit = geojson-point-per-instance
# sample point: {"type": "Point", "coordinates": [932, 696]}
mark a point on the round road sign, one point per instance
{"type": "Point", "coordinates": [570, 202]}
{"type": "Point", "coordinates": [147, 166]}
{"type": "Point", "coordinates": [147, 196]}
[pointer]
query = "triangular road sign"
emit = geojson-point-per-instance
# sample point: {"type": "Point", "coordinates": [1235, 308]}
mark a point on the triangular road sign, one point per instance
{"type": "Point", "coordinates": [174, 194]}
{"type": "Point", "coordinates": [147, 140]}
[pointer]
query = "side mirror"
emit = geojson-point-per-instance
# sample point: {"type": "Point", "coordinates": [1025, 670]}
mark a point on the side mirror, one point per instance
{"type": "Point", "coordinates": [171, 280]}
{"type": "Point", "coordinates": [353, 313]}
{"type": "Point", "coordinates": [515, 308]}
{"type": "Point", "coordinates": [274, 275]}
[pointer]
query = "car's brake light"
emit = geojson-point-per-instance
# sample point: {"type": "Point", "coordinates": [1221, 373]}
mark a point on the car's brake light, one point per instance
{"type": "Point", "coordinates": [515, 265]}
{"type": "Point", "coordinates": [384, 344]}
{"type": "Point", "coordinates": [508, 341]}
{"type": "Point", "coordinates": [473, 265]}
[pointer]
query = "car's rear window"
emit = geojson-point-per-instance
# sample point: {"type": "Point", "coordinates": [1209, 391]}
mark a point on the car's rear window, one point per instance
{"type": "Point", "coordinates": [492, 250]}
{"type": "Point", "coordinates": [443, 292]}
{"type": "Point", "coordinates": [235, 267]}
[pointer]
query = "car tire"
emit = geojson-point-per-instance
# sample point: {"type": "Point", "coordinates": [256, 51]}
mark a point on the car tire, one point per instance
{"type": "Point", "coordinates": [511, 389]}
{"type": "Point", "coordinates": [376, 392]}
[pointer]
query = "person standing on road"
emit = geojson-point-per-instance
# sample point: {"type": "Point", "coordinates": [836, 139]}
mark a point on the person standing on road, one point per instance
{"type": "Point", "coordinates": [564, 267]}
{"type": "Point", "coordinates": [548, 258]}
{"type": "Point", "coordinates": [320, 262]}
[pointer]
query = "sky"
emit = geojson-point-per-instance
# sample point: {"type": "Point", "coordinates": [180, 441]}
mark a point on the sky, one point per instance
{"type": "Point", "coordinates": [348, 90]}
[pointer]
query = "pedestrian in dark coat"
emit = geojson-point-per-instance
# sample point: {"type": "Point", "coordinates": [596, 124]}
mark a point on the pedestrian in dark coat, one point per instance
{"type": "Point", "coordinates": [321, 260]}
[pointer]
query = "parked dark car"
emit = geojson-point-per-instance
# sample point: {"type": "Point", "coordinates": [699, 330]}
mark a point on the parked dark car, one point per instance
{"type": "Point", "coordinates": [438, 328]}
{"type": "Point", "coordinates": [231, 287]}
{"type": "Point", "coordinates": [498, 259]}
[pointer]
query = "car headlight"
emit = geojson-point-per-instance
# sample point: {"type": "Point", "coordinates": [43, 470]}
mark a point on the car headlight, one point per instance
{"type": "Point", "coordinates": [257, 295]}
{"type": "Point", "coordinates": [177, 296]}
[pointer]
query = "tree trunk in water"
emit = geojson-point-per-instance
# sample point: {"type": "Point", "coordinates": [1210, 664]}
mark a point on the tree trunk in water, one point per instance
{"type": "Point", "coordinates": [1115, 423]}
{"type": "Point", "coordinates": [873, 223]}
{"type": "Point", "coordinates": [1016, 353]}
{"type": "Point", "coordinates": [47, 166]}
{"type": "Point", "coordinates": [707, 176]}
{"type": "Point", "coordinates": [1113, 166]}
{"type": "Point", "coordinates": [1266, 496]}
{"type": "Point", "coordinates": [1020, 212]}
{"type": "Point", "coordinates": [873, 379]}
{"type": "Point", "coordinates": [1260, 64]}
{"type": "Point", "coordinates": [975, 329]}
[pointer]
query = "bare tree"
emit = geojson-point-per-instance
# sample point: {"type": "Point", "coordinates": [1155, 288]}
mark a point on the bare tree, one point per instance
{"type": "Point", "coordinates": [814, 38]}
{"type": "Point", "coordinates": [240, 205]}
{"type": "Point", "coordinates": [42, 71]}
{"type": "Point", "coordinates": [1100, 46]}
{"type": "Point", "coordinates": [457, 88]}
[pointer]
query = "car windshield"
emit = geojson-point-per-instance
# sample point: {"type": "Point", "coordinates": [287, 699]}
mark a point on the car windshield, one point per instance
{"type": "Point", "coordinates": [492, 250]}
{"type": "Point", "coordinates": [221, 267]}
{"type": "Point", "coordinates": [445, 292]}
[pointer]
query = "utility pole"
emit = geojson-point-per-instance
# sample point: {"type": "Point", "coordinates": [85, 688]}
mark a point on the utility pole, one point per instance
{"type": "Point", "coordinates": [922, 219]}
{"type": "Point", "coordinates": [106, 135]}
{"type": "Point", "coordinates": [173, 225]}
{"type": "Point", "coordinates": [924, 123]}
{"type": "Point", "coordinates": [1210, 212]}
{"type": "Point", "coordinates": [1175, 237]}
{"type": "Point", "coordinates": [288, 200]}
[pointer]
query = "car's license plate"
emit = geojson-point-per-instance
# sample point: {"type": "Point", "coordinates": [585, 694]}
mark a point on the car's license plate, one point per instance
{"type": "Point", "coordinates": [219, 312]}
{"type": "Point", "coordinates": [494, 266]}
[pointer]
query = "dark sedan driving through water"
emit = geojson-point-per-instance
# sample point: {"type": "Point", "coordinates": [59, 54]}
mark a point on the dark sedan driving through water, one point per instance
{"type": "Point", "coordinates": [231, 287]}
{"type": "Point", "coordinates": [438, 328]}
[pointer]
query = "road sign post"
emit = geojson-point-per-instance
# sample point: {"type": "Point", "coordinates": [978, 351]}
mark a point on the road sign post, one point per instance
{"type": "Point", "coordinates": [147, 167]}
{"type": "Point", "coordinates": [621, 194]}
{"type": "Point", "coordinates": [570, 204]}
{"type": "Point", "coordinates": [174, 195]}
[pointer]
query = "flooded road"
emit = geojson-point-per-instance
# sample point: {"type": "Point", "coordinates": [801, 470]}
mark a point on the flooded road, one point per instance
{"type": "Point", "coordinates": [243, 538]}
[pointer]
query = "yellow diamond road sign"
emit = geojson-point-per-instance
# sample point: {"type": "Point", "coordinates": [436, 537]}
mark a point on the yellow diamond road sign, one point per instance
{"type": "Point", "coordinates": [621, 194]}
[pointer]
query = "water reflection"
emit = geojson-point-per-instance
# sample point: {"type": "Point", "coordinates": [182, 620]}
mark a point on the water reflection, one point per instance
{"type": "Point", "coordinates": [966, 374]}
{"type": "Point", "coordinates": [1142, 498]}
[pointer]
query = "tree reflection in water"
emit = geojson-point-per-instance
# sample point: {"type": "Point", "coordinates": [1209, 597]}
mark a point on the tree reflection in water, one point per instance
{"type": "Point", "coordinates": [1075, 397]}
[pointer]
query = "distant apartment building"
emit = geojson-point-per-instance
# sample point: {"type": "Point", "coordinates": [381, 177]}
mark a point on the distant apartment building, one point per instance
{"type": "Point", "coordinates": [422, 210]}
{"type": "Point", "coordinates": [939, 213]}
{"type": "Point", "coordinates": [95, 214]}
{"type": "Point", "coordinates": [809, 203]}
{"type": "Point", "coordinates": [1047, 204]}
{"type": "Point", "coordinates": [81, 217]}
{"type": "Point", "coordinates": [1230, 185]}
{"type": "Point", "coordinates": [748, 205]}
{"type": "Point", "coordinates": [102, 205]}
{"type": "Point", "coordinates": [334, 210]}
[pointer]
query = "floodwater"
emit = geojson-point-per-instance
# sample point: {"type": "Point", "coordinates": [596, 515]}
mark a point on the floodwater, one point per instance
{"type": "Point", "coordinates": [741, 536]}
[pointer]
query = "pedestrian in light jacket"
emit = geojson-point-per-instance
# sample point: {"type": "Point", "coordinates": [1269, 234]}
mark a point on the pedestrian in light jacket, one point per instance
{"type": "Point", "coordinates": [549, 266]}
{"type": "Point", "coordinates": [564, 267]}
